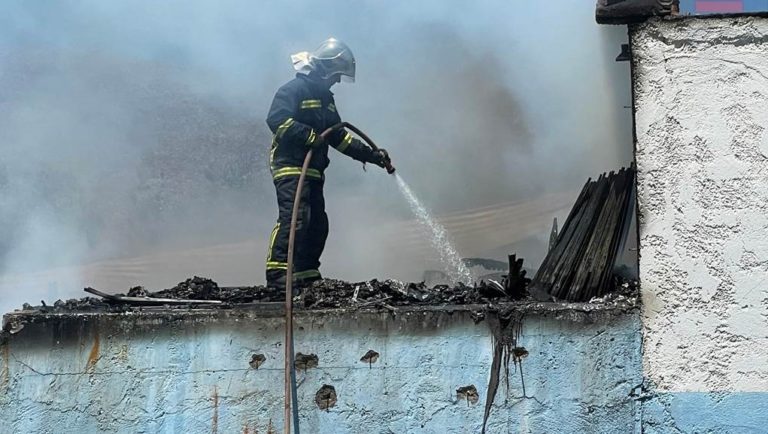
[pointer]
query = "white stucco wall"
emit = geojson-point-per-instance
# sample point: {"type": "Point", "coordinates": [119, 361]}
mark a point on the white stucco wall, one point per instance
{"type": "Point", "coordinates": [701, 100]}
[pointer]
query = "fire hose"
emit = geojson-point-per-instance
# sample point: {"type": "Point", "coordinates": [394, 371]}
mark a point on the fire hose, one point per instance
{"type": "Point", "coordinates": [290, 368]}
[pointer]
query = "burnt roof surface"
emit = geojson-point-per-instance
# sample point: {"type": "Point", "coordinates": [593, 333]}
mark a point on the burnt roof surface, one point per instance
{"type": "Point", "coordinates": [321, 295]}
{"type": "Point", "coordinates": [325, 298]}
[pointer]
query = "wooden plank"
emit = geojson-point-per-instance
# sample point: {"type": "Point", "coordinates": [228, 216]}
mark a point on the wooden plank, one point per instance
{"type": "Point", "coordinates": [580, 265]}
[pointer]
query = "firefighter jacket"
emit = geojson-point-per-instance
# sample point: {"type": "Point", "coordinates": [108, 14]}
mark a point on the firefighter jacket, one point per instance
{"type": "Point", "coordinates": [300, 112]}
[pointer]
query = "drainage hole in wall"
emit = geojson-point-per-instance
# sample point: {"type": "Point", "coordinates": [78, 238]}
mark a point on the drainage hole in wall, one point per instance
{"type": "Point", "coordinates": [468, 393]}
{"type": "Point", "coordinates": [325, 398]}
{"type": "Point", "coordinates": [306, 361]}
{"type": "Point", "coordinates": [370, 357]}
{"type": "Point", "coordinates": [257, 360]}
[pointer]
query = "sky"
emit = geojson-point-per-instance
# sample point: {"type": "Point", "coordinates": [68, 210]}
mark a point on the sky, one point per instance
{"type": "Point", "coordinates": [133, 137]}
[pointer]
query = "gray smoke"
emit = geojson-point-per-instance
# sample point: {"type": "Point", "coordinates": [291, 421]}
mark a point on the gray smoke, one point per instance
{"type": "Point", "coordinates": [133, 135]}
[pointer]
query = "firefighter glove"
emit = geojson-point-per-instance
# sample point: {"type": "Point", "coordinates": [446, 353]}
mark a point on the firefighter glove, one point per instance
{"type": "Point", "coordinates": [380, 157]}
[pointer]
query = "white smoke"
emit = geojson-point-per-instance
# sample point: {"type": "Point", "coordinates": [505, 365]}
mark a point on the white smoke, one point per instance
{"type": "Point", "coordinates": [136, 130]}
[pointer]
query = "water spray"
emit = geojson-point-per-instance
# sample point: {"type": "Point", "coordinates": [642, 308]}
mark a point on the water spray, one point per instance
{"type": "Point", "coordinates": [450, 260]}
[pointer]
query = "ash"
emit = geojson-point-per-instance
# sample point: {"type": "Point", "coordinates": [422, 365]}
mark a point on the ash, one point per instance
{"type": "Point", "coordinates": [326, 294]}
{"type": "Point", "coordinates": [323, 294]}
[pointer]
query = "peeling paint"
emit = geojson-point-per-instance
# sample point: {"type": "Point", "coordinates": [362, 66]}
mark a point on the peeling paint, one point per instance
{"type": "Point", "coordinates": [5, 372]}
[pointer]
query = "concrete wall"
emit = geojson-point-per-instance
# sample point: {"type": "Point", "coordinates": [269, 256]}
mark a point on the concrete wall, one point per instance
{"type": "Point", "coordinates": [190, 373]}
{"type": "Point", "coordinates": [701, 101]}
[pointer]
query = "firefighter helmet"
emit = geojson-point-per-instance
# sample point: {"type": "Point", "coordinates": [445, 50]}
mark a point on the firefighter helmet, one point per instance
{"type": "Point", "coordinates": [333, 57]}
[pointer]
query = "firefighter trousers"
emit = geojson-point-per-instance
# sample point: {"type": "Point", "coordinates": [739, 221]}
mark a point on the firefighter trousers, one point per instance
{"type": "Point", "coordinates": [311, 232]}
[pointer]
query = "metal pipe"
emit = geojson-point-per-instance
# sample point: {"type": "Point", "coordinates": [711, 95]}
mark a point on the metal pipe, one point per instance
{"type": "Point", "coordinates": [294, 392]}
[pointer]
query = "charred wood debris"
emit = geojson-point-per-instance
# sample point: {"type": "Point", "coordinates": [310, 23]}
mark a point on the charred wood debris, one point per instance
{"type": "Point", "coordinates": [324, 294]}
{"type": "Point", "coordinates": [581, 264]}
{"type": "Point", "coordinates": [578, 268]}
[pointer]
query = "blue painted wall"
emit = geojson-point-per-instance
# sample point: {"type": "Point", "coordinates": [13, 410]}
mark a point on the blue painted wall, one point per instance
{"type": "Point", "coordinates": [129, 373]}
{"type": "Point", "coordinates": [701, 412]}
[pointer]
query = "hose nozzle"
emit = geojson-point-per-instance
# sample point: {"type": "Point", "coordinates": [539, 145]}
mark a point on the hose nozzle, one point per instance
{"type": "Point", "coordinates": [387, 161]}
{"type": "Point", "coordinates": [389, 168]}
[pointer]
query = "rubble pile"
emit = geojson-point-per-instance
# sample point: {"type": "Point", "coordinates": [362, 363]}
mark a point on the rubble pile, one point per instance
{"type": "Point", "coordinates": [196, 288]}
{"type": "Point", "coordinates": [201, 288]}
{"type": "Point", "coordinates": [323, 294]}
{"type": "Point", "coordinates": [330, 293]}
{"type": "Point", "coordinates": [333, 293]}
{"type": "Point", "coordinates": [73, 304]}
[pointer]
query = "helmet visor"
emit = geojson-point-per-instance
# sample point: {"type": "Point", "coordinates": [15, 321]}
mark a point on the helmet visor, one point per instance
{"type": "Point", "coordinates": [349, 75]}
{"type": "Point", "coordinates": [334, 57]}
{"type": "Point", "coordinates": [342, 65]}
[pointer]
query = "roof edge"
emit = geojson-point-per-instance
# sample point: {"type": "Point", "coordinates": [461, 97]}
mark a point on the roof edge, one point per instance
{"type": "Point", "coordinates": [757, 14]}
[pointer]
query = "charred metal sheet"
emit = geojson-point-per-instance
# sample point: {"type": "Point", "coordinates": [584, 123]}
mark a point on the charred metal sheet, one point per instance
{"type": "Point", "coordinates": [488, 264]}
{"type": "Point", "coordinates": [633, 11]}
{"type": "Point", "coordinates": [146, 300]}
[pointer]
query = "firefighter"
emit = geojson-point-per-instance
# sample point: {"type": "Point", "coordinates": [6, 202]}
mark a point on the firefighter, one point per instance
{"type": "Point", "coordinates": [301, 110]}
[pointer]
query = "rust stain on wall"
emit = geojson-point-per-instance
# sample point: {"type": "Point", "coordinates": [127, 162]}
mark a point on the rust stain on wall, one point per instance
{"type": "Point", "coordinates": [93, 356]}
{"type": "Point", "coordinates": [215, 421]}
